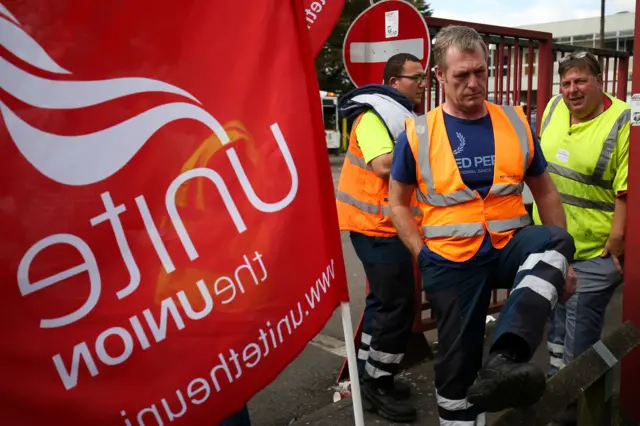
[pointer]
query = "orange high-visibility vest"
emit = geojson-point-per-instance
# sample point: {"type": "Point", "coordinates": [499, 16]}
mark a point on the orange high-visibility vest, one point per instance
{"type": "Point", "coordinates": [456, 218]}
{"type": "Point", "coordinates": [362, 196]}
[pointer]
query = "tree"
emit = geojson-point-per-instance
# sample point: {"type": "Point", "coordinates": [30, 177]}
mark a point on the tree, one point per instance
{"type": "Point", "coordinates": [329, 66]}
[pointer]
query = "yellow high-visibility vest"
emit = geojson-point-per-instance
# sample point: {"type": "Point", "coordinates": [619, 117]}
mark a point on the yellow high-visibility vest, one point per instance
{"type": "Point", "coordinates": [588, 163]}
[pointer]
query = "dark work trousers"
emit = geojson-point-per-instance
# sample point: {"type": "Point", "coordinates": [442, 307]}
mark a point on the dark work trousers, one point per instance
{"type": "Point", "coordinates": [389, 309]}
{"type": "Point", "coordinates": [576, 326]}
{"type": "Point", "coordinates": [534, 264]}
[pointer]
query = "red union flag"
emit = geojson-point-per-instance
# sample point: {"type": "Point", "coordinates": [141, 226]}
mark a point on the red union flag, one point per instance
{"type": "Point", "coordinates": [169, 242]}
{"type": "Point", "coordinates": [320, 17]}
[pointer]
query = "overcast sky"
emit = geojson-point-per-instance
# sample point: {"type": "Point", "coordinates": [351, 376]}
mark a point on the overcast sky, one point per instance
{"type": "Point", "coordinates": [506, 13]}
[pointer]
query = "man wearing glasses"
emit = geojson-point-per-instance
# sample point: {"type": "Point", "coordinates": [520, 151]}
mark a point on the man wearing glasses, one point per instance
{"type": "Point", "coordinates": [585, 138]}
{"type": "Point", "coordinates": [376, 114]}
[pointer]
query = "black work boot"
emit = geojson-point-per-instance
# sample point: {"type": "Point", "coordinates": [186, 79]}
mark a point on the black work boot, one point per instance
{"type": "Point", "coordinates": [401, 389]}
{"type": "Point", "coordinates": [379, 396]}
{"type": "Point", "coordinates": [505, 383]}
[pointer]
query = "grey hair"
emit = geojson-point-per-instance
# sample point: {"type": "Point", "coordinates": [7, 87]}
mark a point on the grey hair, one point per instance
{"type": "Point", "coordinates": [465, 39]}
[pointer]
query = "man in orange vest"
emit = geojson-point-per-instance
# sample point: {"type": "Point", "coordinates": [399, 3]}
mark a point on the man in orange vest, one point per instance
{"type": "Point", "coordinates": [467, 162]}
{"type": "Point", "coordinates": [378, 113]}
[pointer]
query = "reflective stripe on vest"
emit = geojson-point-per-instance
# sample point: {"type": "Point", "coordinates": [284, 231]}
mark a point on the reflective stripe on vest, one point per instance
{"type": "Point", "coordinates": [361, 205]}
{"type": "Point", "coordinates": [473, 229]}
{"type": "Point", "coordinates": [595, 179]}
{"type": "Point", "coordinates": [442, 200]}
{"type": "Point", "coordinates": [547, 120]}
{"type": "Point", "coordinates": [357, 161]}
{"type": "Point", "coordinates": [362, 196]}
{"type": "Point", "coordinates": [371, 208]}
{"type": "Point", "coordinates": [587, 204]}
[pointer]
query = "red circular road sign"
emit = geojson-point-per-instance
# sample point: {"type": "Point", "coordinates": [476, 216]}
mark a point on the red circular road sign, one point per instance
{"type": "Point", "coordinates": [384, 29]}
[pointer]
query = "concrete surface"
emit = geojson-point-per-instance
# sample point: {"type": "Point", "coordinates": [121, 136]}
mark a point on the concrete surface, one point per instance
{"type": "Point", "coordinates": [305, 386]}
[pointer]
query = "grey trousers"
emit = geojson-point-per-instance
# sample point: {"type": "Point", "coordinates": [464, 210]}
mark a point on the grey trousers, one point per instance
{"type": "Point", "coordinates": [577, 325]}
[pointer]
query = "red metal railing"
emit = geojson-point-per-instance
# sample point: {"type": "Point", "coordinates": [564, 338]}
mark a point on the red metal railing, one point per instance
{"type": "Point", "coordinates": [522, 71]}
{"type": "Point", "coordinates": [515, 56]}
{"type": "Point", "coordinates": [523, 65]}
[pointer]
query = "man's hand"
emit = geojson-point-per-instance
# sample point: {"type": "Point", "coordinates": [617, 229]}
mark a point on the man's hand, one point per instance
{"type": "Point", "coordinates": [614, 248]}
{"type": "Point", "coordinates": [615, 244]}
{"type": "Point", "coordinates": [570, 284]}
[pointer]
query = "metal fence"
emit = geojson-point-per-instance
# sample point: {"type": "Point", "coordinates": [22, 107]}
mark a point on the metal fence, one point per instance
{"type": "Point", "coordinates": [520, 65]}
{"type": "Point", "coordinates": [522, 70]}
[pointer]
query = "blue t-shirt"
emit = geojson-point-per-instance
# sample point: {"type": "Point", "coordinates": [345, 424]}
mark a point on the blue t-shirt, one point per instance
{"type": "Point", "coordinates": [474, 150]}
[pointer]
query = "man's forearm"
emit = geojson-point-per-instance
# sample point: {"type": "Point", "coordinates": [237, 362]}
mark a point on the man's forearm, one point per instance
{"type": "Point", "coordinates": [551, 210]}
{"type": "Point", "coordinates": [402, 216]}
{"type": "Point", "coordinates": [619, 219]}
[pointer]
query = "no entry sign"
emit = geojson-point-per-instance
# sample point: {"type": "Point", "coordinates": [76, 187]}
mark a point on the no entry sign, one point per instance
{"type": "Point", "coordinates": [384, 29]}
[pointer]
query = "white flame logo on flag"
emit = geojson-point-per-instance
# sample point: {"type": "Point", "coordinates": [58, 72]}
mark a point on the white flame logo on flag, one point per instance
{"type": "Point", "coordinates": [88, 158]}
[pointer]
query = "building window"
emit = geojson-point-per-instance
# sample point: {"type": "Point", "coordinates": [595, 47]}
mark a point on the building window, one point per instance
{"type": "Point", "coordinates": [582, 38]}
{"type": "Point", "coordinates": [611, 44]}
{"type": "Point", "coordinates": [626, 45]}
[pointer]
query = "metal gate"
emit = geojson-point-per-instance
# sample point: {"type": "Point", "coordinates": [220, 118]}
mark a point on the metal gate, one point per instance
{"type": "Point", "coordinates": [522, 71]}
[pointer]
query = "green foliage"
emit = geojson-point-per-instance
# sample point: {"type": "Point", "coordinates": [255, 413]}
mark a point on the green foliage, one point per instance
{"type": "Point", "coordinates": [329, 66]}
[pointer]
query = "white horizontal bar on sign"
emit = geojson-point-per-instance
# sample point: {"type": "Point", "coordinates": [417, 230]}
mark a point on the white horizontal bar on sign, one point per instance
{"type": "Point", "coordinates": [381, 51]}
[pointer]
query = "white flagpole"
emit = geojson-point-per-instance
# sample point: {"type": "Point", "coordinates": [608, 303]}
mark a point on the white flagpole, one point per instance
{"type": "Point", "coordinates": [352, 362]}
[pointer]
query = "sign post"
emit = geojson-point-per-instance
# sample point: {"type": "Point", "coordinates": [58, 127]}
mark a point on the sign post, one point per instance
{"type": "Point", "coordinates": [381, 31]}
{"type": "Point", "coordinates": [631, 363]}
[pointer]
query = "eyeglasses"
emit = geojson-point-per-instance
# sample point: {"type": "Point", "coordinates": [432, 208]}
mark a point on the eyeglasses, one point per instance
{"type": "Point", "coordinates": [589, 58]}
{"type": "Point", "coordinates": [419, 78]}
{"type": "Point", "coordinates": [578, 55]}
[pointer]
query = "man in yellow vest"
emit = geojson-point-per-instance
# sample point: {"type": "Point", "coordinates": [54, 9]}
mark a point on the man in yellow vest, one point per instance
{"type": "Point", "coordinates": [467, 162]}
{"type": "Point", "coordinates": [378, 113]}
{"type": "Point", "coordinates": [585, 137]}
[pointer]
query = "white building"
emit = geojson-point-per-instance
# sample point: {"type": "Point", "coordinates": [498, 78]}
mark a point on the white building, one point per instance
{"type": "Point", "coordinates": [619, 29]}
